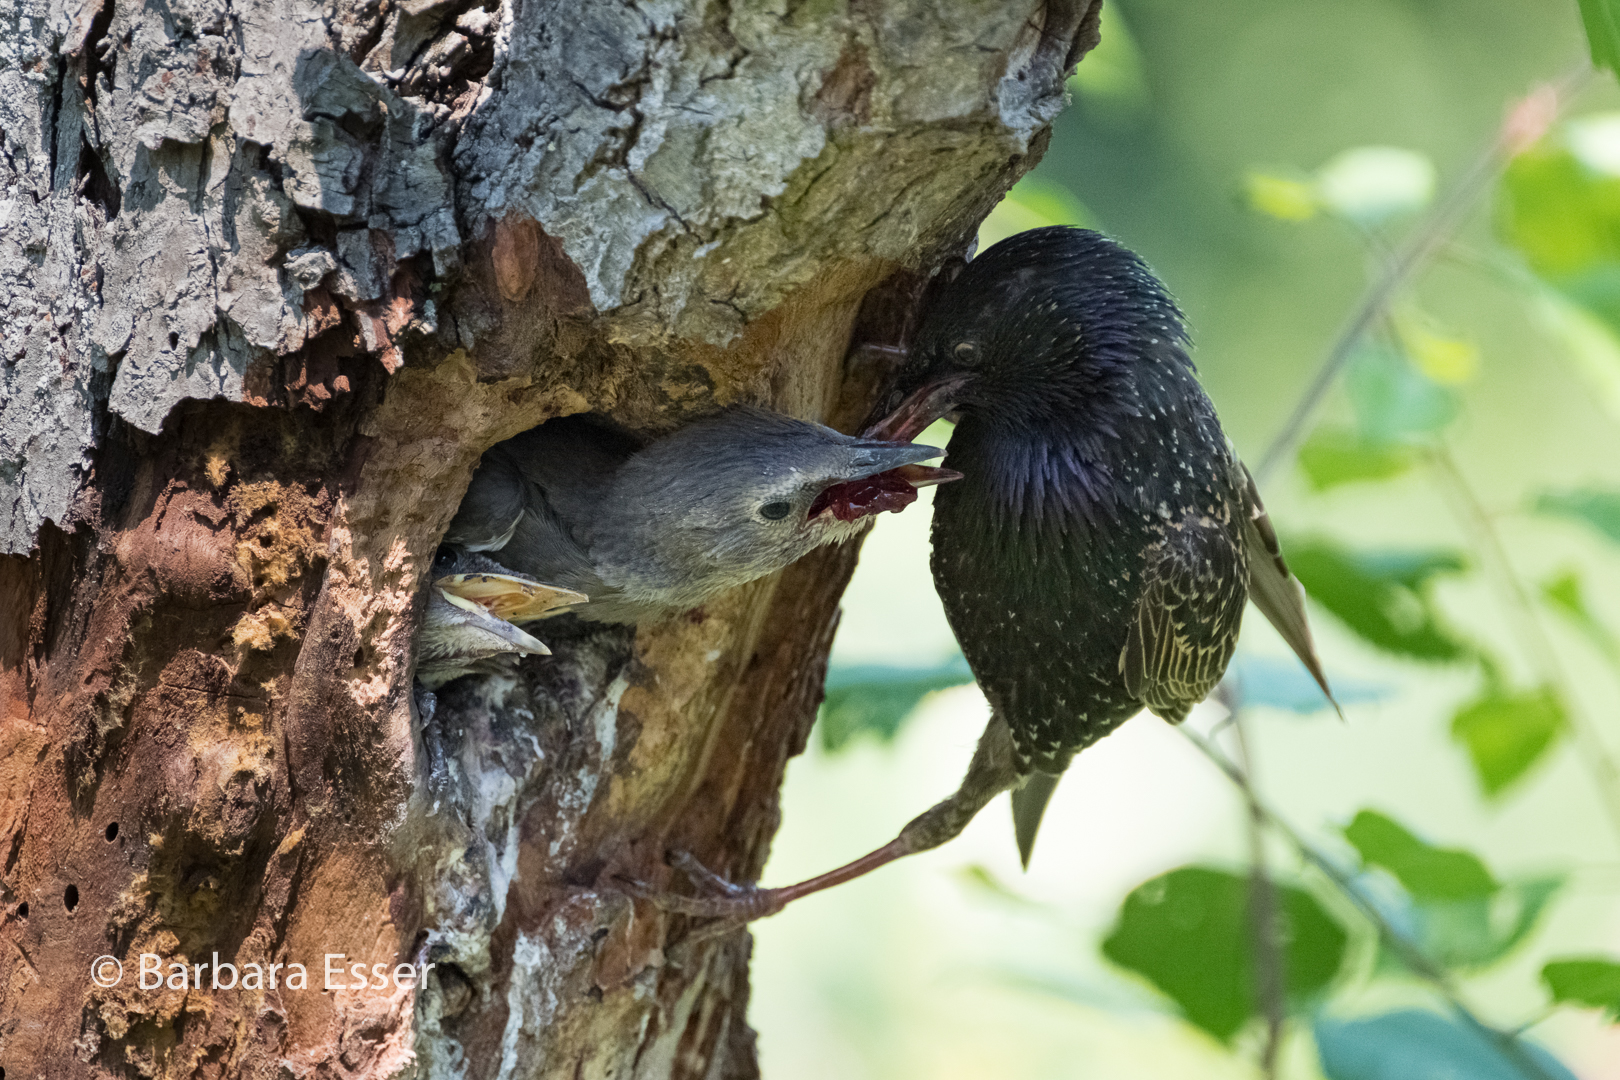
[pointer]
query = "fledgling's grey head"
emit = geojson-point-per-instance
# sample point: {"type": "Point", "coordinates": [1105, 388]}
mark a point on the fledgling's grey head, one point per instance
{"type": "Point", "coordinates": [740, 495]}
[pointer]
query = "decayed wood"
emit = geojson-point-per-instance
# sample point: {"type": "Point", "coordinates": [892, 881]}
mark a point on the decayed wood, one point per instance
{"type": "Point", "coordinates": [272, 278]}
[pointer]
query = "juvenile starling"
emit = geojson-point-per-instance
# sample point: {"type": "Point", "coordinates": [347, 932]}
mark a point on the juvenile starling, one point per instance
{"type": "Point", "coordinates": [1095, 558]}
{"type": "Point", "coordinates": [650, 529]}
{"type": "Point", "coordinates": [469, 615]}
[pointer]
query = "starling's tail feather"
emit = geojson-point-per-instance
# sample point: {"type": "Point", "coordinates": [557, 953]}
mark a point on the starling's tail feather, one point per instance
{"type": "Point", "coordinates": [1029, 805]}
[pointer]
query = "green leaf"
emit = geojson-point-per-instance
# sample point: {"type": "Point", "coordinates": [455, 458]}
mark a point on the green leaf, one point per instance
{"type": "Point", "coordinates": [1427, 872]}
{"type": "Point", "coordinates": [1565, 594]}
{"type": "Point", "coordinates": [1189, 932]}
{"type": "Point", "coordinates": [1508, 733]}
{"type": "Point", "coordinates": [876, 699]}
{"type": "Point", "coordinates": [1368, 184]}
{"type": "Point", "coordinates": [1331, 458]}
{"type": "Point", "coordinates": [1471, 934]}
{"type": "Point", "coordinates": [1285, 198]}
{"type": "Point", "coordinates": [1393, 400]}
{"type": "Point", "coordinates": [1602, 19]}
{"type": "Point", "coordinates": [1589, 981]}
{"type": "Point", "coordinates": [1285, 684]}
{"type": "Point", "coordinates": [1414, 1045]}
{"type": "Point", "coordinates": [1599, 509]}
{"type": "Point", "coordinates": [1383, 596]}
{"type": "Point", "coordinates": [1561, 210]}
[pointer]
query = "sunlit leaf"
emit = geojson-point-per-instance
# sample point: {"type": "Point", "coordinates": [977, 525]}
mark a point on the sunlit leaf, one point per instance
{"type": "Point", "coordinates": [1506, 734]}
{"type": "Point", "coordinates": [1285, 684]}
{"type": "Point", "coordinates": [1602, 19]}
{"type": "Point", "coordinates": [1590, 981]}
{"type": "Point", "coordinates": [1566, 595]}
{"type": "Point", "coordinates": [1331, 457]}
{"type": "Point", "coordinates": [1369, 184]}
{"type": "Point", "coordinates": [1281, 197]}
{"type": "Point", "coordinates": [1564, 217]}
{"type": "Point", "coordinates": [875, 699]}
{"type": "Point", "coordinates": [1393, 400]}
{"type": "Point", "coordinates": [1033, 203]}
{"type": "Point", "coordinates": [1597, 508]}
{"type": "Point", "coordinates": [1189, 933]}
{"type": "Point", "coordinates": [1382, 596]}
{"type": "Point", "coordinates": [1442, 357]}
{"type": "Point", "coordinates": [1414, 1045]}
{"type": "Point", "coordinates": [1425, 871]}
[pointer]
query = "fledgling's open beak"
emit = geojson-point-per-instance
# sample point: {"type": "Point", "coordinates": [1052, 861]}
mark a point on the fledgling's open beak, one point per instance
{"type": "Point", "coordinates": [887, 478]}
{"type": "Point", "coordinates": [873, 456]}
{"type": "Point", "coordinates": [918, 409]}
{"type": "Point", "coordinates": [508, 596]}
{"type": "Point", "coordinates": [481, 625]}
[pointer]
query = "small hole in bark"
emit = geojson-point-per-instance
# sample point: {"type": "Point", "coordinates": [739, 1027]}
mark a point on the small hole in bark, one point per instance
{"type": "Point", "coordinates": [174, 340]}
{"type": "Point", "coordinates": [22, 910]}
{"type": "Point", "coordinates": [360, 656]}
{"type": "Point", "coordinates": [70, 897]}
{"type": "Point", "coordinates": [112, 832]}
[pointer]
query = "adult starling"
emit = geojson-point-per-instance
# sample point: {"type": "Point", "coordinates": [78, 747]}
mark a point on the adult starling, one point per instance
{"type": "Point", "coordinates": [469, 617]}
{"type": "Point", "coordinates": [1095, 558]}
{"type": "Point", "coordinates": [648, 529]}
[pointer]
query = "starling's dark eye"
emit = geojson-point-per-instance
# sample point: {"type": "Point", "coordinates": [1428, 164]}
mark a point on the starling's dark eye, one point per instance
{"type": "Point", "coordinates": [965, 352]}
{"type": "Point", "coordinates": [775, 511]}
{"type": "Point", "coordinates": [443, 560]}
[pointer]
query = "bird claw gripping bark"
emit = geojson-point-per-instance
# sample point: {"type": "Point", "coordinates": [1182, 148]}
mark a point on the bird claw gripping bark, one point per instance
{"type": "Point", "coordinates": [719, 899]}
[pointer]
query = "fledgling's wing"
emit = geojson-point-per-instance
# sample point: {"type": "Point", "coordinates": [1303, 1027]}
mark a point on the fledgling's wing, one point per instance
{"type": "Point", "coordinates": [493, 503]}
{"type": "Point", "coordinates": [1275, 591]}
{"type": "Point", "coordinates": [1187, 620]}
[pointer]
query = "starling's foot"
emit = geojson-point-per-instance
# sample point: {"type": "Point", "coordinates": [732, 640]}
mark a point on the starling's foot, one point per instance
{"type": "Point", "coordinates": [719, 898]}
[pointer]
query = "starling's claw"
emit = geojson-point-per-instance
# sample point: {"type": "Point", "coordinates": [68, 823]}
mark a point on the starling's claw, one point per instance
{"type": "Point", "coordinates": [704, 878]}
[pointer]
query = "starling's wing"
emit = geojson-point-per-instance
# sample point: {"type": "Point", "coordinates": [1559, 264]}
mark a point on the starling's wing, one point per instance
{"type": "Point", "coordinates": [1273, 589]}
{"type": "Point", "coordinates": [1187, 619]}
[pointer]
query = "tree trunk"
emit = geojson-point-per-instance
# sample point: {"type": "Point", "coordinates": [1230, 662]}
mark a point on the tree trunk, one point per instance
{"type": "Point", "coordinates": [273, 278]}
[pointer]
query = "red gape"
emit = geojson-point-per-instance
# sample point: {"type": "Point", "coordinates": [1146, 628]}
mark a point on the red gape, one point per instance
{"type": "Point", "coordinates": [857, 498]}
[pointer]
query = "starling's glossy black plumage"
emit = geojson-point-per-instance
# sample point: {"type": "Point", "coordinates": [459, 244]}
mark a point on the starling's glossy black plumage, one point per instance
{"type": "Point", "coordinates": [1093, 560]}
{"type": "Point", "coordinates": [1096, 555]}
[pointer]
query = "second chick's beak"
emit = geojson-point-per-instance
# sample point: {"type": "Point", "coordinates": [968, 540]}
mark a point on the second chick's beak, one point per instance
{"type": "Point", "coordinates": [510, 596]}
{"type": "Point", "coordinates": [884, 475]}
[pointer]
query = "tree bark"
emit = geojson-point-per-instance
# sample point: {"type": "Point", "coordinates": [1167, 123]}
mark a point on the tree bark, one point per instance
{"type": "Point", "coordinates": [273, 278]}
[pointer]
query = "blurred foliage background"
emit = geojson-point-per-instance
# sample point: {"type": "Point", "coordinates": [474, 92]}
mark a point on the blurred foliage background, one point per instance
{"type": "Point", "coordinates": [1430, 889]}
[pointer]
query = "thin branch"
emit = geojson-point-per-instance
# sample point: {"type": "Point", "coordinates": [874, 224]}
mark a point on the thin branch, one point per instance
{"type": "Point", "coordinates": [1595, 754]}
{"type": "Point", "coordinates": [1271, 974]}
{"type": "Point", "coordinates": [1406, 950]}
{"type": "Point", "coordinates": [1526, 123]}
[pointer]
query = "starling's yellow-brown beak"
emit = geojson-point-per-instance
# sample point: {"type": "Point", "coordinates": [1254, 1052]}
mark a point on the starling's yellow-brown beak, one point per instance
{"type": "Point", "coordinates": [515, 599]}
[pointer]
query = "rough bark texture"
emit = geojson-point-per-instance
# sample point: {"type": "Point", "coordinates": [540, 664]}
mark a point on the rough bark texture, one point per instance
{"type": "Point", "coordinates": [272, 277]}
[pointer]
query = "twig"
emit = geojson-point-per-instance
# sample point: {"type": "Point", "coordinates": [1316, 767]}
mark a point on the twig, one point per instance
{"type": "Point", "coordinates": [1526, 123]}
{"type": "Point", "coordinates": [1532, 635]}
{"type": "Point", "coordinates": [1406, 950]}
{"type": "Point", "coordinates": [1271, 975]}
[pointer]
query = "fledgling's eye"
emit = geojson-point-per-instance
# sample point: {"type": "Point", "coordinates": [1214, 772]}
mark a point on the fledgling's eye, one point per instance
{"type": "Point", "coordinates": [775, 511]}
{"type": "Point", "coordinates": [965, 352]}
{"type": "Point", "coordinates": [443, 560]}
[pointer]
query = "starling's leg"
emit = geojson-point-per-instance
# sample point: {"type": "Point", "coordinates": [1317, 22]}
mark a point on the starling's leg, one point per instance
{"type": "Point", "coordinates": [991, 772]}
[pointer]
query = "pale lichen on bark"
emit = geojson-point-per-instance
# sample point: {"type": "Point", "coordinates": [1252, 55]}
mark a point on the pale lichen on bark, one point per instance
{"type": "Point", "coordinates": [272, 277]}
